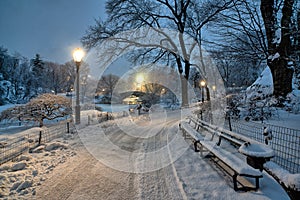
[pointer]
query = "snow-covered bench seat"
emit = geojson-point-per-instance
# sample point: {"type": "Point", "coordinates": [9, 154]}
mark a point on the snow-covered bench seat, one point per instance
{"type": "Point", "coordinates": [230, 136]}
{"type": "Point", "coordinates": [237, 165]}
{"type": "Point", "coordinates": [190, 132]}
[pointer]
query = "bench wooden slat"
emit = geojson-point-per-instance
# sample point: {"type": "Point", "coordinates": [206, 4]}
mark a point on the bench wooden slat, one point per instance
{"type": "Point", "coordinates": [237, 164]}
{"type": "Point", "coordinates": [192, 132]}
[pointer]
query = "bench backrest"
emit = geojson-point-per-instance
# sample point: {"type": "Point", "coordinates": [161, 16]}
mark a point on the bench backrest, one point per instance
{"type": "Point", "coordinates": [221, 132]}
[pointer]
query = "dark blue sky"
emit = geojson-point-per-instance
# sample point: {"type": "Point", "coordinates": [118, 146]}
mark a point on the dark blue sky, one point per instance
{"type": "Point", "coordinates": [52, 28]}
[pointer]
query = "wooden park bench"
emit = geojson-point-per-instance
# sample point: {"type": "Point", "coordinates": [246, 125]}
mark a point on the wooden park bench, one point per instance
{"type": "Point", "coordinates": [191, 133]}
{"type": "Point", "coordinates": [234, 165]}
{"type": "Point", "coordinates": [238, 166]}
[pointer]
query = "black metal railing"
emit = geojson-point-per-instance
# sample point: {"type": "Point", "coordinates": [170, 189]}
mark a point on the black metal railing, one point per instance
{"type": "Point", "coordinates": [285, 141]}
{"type": "Point", "coordinates": [12, 148]}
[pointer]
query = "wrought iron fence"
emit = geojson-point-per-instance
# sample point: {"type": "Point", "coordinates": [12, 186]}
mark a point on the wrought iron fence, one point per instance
{"type": "Point", "coordinates": [12, 148]}
{"type": "Point", "coordinates": [105, 116]}
{"type": "Point", "coordinates": [285, 141]}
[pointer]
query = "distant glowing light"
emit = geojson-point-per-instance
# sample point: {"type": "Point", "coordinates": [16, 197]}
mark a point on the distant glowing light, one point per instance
{"type": "Point", "coordinates": [139, 78]}
{"type": "Point", "coordinates": [202, 83]}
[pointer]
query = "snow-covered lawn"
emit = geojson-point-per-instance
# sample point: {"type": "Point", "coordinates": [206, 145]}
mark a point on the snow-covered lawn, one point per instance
{"type": "Point", "coordinates": [285, 119]}
{"type": "Point", "coordinates": [20, 177]}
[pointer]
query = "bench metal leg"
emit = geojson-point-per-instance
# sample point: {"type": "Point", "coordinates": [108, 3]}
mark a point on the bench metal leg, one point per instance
{"type": "Point", "coordinates": [256, 183]}
{"type": "Point", "coordinates": [234, 177]}
{"type": "Point", "coordinates": [195, 145]}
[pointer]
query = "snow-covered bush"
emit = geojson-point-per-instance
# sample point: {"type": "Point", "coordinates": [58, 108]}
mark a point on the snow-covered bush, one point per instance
{"type": "Point", "coordinates": [258, 103]}
{"type": "Point", "coordinates": [45, 106]}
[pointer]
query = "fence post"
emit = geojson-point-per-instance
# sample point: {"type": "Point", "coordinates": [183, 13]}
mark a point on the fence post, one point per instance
{"type": "Point", "coordinates": [229, 123]}
{"type": "Point", "coordinates": [201, 115]}
{"type": "Point", "coordinates": [68, 127]}
{"type": "Point", "coordinates": [40, 137]}
{"type": "Point", "coordinates": [89, 118]}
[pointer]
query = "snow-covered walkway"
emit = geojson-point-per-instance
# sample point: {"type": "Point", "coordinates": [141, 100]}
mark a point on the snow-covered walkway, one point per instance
{"type": "Point", "coordinates": [133, 158]}
{"type": "Point", "coordinates": [189, 177]}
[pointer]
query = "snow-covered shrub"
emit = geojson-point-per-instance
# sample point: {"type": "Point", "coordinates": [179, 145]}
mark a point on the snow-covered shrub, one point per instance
{"type": "Point", "coordinates": [45, 106]}
{"type": "Point", "coordinates": [256, 102]}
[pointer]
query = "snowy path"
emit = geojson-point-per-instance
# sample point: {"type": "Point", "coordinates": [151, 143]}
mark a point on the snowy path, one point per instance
{"type": "Point", "coordinates": [83, 177]}
{"type": "Point", "coordinates": [163, 183]}
{"type": "Point", "coordinates": [143, 171]}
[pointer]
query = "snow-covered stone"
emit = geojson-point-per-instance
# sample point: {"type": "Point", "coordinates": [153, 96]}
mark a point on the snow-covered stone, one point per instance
{"type": "Point", "coordinates": [18, 166]}
{"type": "Point", "coordinates": [24, 185]}
{"type": "Point", "coordinates": [24, 158]}
{"type": "Point", "coordinates": [15, 186]}
{"type": "Point", "coordinates": [38, 149]}
{"type": "Point", "coordinates": [35, 172]}
{"type": "Point", "coordinates": [55, 145]}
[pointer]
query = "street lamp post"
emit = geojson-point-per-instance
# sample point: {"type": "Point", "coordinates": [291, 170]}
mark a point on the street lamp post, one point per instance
{"type": "Point", "coordinates": [77, 56]}
{"type": "Point", "coordinates": [214, 90]}
{"type": "Point", "coordinates": [202, 83]}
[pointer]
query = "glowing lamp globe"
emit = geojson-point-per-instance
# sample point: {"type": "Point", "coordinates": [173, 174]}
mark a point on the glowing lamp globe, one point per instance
{"type": "Point", "coordinates": [78, 55]}
{"type": "Point", "coordinates": [202, 83]}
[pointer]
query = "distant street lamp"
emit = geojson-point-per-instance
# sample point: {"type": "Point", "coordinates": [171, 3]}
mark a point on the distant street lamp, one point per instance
{"type": "Point", "coordinates": [214, 88]}
{"type": "Point", "coordinates": [139, 80]}
{"type": "Point", "coordinates": [77, 56]}
{"type": "Point", "coordinates": [202, 84]}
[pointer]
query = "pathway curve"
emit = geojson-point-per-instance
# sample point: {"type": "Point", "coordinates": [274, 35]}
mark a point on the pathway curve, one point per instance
{"type": "Point", "coordinates": [84, 177]}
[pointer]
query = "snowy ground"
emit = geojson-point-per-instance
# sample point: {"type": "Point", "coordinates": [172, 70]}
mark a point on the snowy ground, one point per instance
{"type": "Point", "coordinates": [20, 178]}
{"type": "Point", "coordinates": [285, 119]}
{"type": "Point", "coordinates": [137, 157]}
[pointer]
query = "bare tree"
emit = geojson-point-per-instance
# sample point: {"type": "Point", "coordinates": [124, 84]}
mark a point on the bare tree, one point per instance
{"type": "Point", "coordinates": [239, 43]}
{"type": "Point", "coordinates": [107, 83]}
{"type": "Point", "coordinates": [186, 17]}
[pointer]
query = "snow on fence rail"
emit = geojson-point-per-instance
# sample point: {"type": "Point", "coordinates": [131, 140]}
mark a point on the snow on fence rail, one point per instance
{"type": "Point", "coordinates": [104, 116]}
{"type": "Point", "coordinates": [13, 147]}
{"type": "Point", "coordinates": [285, 142]}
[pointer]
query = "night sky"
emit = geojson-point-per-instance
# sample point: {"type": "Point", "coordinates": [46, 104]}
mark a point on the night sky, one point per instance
{"type": "Point", "coordinates": [51, 28]}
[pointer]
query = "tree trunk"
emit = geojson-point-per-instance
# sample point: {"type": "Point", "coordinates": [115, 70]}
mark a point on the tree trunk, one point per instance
{"type": "Point", "coordinates": [41, 121]}
{"type": "Point", "coordinates": [279, 53]}
{"type": "Point", "coordinates": [282, 77]}
{"type": "Point", "coordinates": [184, 91]}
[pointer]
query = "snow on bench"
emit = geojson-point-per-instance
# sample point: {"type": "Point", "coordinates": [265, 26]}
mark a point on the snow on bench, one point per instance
{"type": "Point", "coordinates": [187, 129]}
{"type": "Point", "coordinates": [237, 165]}
{"type": "Point", "coordinates": [240, 167]}
{"type": "Point", "coordinates": [230, 136]}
